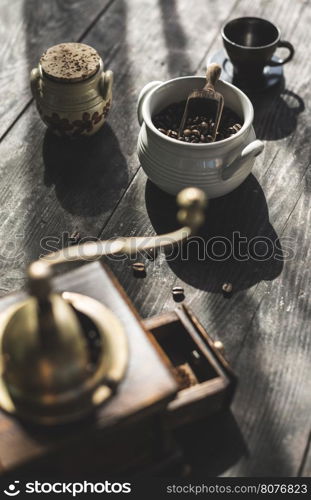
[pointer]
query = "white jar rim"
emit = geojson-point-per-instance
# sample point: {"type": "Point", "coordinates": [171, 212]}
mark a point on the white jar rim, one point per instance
{"type": "Point", "coordinates": [165, 88]}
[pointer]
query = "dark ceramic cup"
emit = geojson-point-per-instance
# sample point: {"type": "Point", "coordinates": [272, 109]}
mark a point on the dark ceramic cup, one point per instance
{"type": "Point", "coordinates": [250, 43]}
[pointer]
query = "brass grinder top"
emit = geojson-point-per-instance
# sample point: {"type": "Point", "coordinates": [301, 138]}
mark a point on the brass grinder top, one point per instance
{"type": "Point", "coordinates": [61, 355]}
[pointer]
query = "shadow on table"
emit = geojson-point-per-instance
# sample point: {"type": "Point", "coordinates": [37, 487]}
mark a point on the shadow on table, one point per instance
{"type": "Point", "coordinates": [212, 445]}
{"type": "Point", "coordinates": [175, 39]}
{"type": "Point", "coordinates": [237, 243]}
{"type": "Point", "coordinates": [88, 173]}
{"type": "Point", "coordinates": [276, 112]}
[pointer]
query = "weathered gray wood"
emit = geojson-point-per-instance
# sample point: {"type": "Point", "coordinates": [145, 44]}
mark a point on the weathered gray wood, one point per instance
{"type": "Point", "coordinates": [305, 468]}
{"type": "Point", "coordinates": [50, 186]}
{"type": "Point", "coordinates": [265, 325]}
{"type": "Point", "coordinates": [275, 355]}
{"type": "Point", "coordinates": [257, 324]}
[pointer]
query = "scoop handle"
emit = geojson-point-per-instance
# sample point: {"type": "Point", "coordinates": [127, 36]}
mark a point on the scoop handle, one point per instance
{"type": "Point", "coordinates": [212, 74]}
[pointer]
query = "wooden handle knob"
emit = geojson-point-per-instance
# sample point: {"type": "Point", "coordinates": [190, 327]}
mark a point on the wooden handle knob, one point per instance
{"type": "Point", "coordinates": [212, 74]}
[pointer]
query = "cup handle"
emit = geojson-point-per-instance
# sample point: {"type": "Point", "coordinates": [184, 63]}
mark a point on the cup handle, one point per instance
{"type": "Point", "coordinates": [287, 45]}
{"type": "Point", "coordinates": [106, 84]}
{"type": "Point", "coordinates": [142, 97]}
{"type": "Point", "coordinates": [250, 151]}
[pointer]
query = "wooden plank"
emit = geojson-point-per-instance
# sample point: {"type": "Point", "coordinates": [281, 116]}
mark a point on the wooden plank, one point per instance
{"type": "Point", "coordinates": [273, 408]}
{"type": "Point", "coordinates": [266, 207]}
{"type": "Point", "coordinates": [305, 466]}
{"type": "Point", "coordinates": [271, 411]}
{"type": "Point", "coordinates": [280, 205]}
{"type": "Point", "coordinates": [27, 29]}
{"type": "Point", "coordinates": [50, 186]}
{"type": "Point", "coordinates": [274, 416]}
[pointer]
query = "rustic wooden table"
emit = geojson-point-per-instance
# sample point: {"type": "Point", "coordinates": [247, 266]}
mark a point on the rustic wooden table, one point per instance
{"type": "Point", "coordinates": [52, 188]}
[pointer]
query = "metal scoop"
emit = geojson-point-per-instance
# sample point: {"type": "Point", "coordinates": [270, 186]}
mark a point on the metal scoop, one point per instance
{"type": "Point", "coordinates": [206, 102]}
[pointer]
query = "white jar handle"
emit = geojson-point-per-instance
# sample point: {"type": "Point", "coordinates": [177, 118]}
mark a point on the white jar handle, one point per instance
{"type": "Point", "coordinates": [106, 84]}
{"type": "Point", "coordinates": [142, 96]}
{"type": "Point", "coordinates": [250, 151]}
{"type": "Point", "coordinates": [34, 81]}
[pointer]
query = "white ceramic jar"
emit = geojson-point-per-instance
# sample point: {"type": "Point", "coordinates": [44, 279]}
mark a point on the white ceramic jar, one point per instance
{"type": "Point", "coordinates": [216, 168]}
{"type": "Point", "coordinates": [73, 103]}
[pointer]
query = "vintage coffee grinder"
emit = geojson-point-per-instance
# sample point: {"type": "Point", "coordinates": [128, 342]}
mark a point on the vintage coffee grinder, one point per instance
{"type": "Point", "coordinates": [75, 342]}
{"type": "Point", "coordinates": [64, 354]}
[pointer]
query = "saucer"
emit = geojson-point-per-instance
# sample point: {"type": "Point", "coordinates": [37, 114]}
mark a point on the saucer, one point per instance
{"type": "Point", "coordinates": [272, 75]}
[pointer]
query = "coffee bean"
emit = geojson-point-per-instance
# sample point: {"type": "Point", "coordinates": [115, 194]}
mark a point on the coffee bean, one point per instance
{"type": "Point", "coordinates": [187, 132]}
{"type": "Point", "coordinates": [227, 288]}
{"type": "Point", "coordinates": [198, 128]}
{"type": "Point", "coordinates": [237, 127]}
{"type": "Point", "coordinates": [178, 293]}
{"type": "Point", "coordinates": [138, 266]}
{"type": "Point", "coordinates": [139, 269]}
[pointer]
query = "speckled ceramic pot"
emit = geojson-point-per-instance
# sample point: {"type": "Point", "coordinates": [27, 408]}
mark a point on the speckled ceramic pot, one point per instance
{"type": "Point", "coordinates": [76, 108]}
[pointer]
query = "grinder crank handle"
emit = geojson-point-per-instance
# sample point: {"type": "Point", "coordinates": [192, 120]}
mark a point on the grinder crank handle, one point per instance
{"type": "Point", "coordinates": [191, 201]}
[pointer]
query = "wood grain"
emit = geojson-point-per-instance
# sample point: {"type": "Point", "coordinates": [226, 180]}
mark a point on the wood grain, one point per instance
{"type": "Point", "coordinates": [305, 468]}
{"type": "Point", "coordinates": [257, 323]}
{"type": "Point", "coordinates": [49, 187]}
{"type": "Point", "coordinates": [275, 355]}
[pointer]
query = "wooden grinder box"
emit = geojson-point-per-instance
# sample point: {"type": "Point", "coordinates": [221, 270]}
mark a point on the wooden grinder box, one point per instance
{"type": "Point", "coordinates": [175, 375]}
{"type": "Point", "coordinates": [205, 380]}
